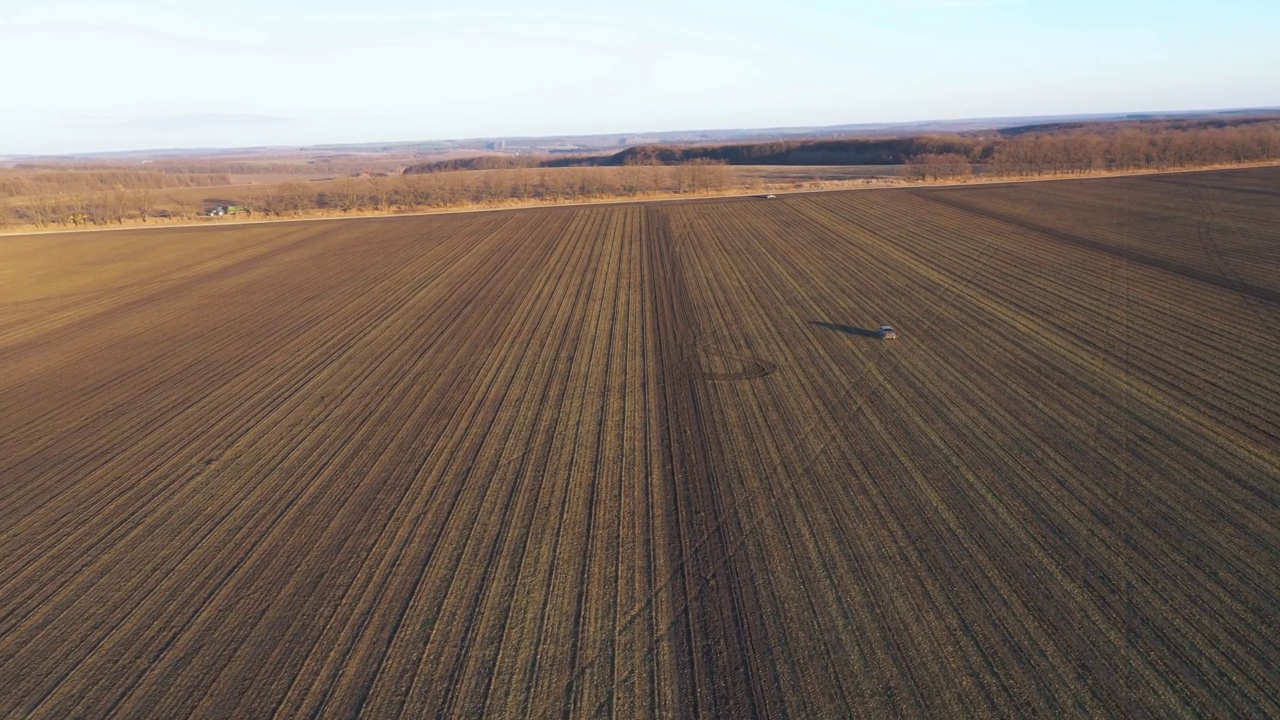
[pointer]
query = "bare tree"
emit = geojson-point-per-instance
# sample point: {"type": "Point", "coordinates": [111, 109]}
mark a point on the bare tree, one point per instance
{"type": "Point", "coordinates": [142, 201]}
{"type": "Point", "coordinates": [266, 199]}
{"type": "Point", "coordinates": [37, 210]}
{"type": "Point", "coordinates": [115, 206]}
{"type": "Point", "coordinates": [939, 166]}
{"type": "Point", "coordinates": [682, 178]}
{"type": "Point", "coordinates": [409, 192]}
{"type": "Point", "coordinates": [78, 207]}
{"type": "Point", "coordinates": [523, 183]}
{"type": "Point", "coordinates": [454, 188]}
{"type": "Point", "coordinates": [551, 185]}
{"type": "Point", "coordinates": [706, 174]}
{"type": "Point", "coordinates": [429, 190]}
{"type": "Point", "coordinates": [629, 177]}
{"type": "Point", "coordinates": [347, 195]}
{"type": "Point", "coordinates": [657, 177]}
{"type": "Point", "coordinates": [296, 198]}
{"type": "Point", "coordinates": [378, 194]}
{"type": "Point", "coordinates": [182, 206]}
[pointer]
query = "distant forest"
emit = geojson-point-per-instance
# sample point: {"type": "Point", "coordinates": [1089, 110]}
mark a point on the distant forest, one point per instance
{"type": "Point", "coordinates": [83, 194]}
{"type": "Point", "coordinates": [65, 181]}
{"type": "Point", "coordinates": [1060, 148]}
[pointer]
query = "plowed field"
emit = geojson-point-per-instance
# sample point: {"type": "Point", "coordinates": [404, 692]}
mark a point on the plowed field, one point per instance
{"type": "Point", "coordinates": [650, 460]}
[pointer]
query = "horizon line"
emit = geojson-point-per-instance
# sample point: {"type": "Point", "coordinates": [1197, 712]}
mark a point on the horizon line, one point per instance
{"type": "Point", "coordinates": [793, 129]}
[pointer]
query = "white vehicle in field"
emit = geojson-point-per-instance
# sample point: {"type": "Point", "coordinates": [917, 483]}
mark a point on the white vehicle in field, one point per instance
{"type": "Point", "coordinates": [887, 333]}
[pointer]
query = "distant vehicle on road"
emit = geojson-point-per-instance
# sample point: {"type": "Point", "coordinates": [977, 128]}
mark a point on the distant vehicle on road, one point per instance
{"type": "Point", "coordinates": [221, 210]}
{"type": "Point", "coordinates": [770, 197]}
{"type": "Point", "coordinates": [887, 333]}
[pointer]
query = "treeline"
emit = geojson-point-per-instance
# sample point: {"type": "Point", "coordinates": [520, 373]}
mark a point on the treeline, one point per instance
{"type": "Point", "coordinates": [43, 198]}
{"type": "Point", "coordinates": [399, 193]}
{"type": "Point", "coordinates": [420, 191]}
{"type": "Point", "coordinates": [892, 151]}
{"type": "Point", "coordinates": [321, 165]}
{"type": "Point", "coordinates": [1056, 148]}
{"type": "Point", "coordinates": [1032, 150]}
{"type": "Point", "coordinates": [21, 184]}
{"type": "Point", "coordinates": [1163, 148]}
{"type": "Point", "coordinates": [481, 162]}
{"type": "Point", "coordinates": [1081, 151]}
{"type": "Point", "coordinates": [1146, 124]}
{"type": "Point", "coordinates": [77, 209]}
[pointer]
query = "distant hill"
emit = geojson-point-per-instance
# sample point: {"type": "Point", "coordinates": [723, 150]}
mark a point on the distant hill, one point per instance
{"type": "Point", "coordinates": [609, 142]}
{"type": "Point", "coordinates": [891, 151]}
{"type": "Point", "coordinates": [1148, 123]}
{"type": "Point", "coordinates": [1057, 147]}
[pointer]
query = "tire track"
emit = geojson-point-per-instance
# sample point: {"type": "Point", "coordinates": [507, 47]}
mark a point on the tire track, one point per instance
{"type": "Point", "coordinates": [719, 615]}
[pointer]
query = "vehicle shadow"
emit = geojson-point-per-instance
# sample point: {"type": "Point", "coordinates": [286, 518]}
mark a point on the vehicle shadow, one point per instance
{"type": "Point", "coordinates": [847, 329]}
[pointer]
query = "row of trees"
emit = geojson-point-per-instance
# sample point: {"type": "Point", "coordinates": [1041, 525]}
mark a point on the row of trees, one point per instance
{"type": "Point", "coordinates": [1034, 150]}
{"type": "Point", "coordinates": [84, 197]}
{"type": "Point", "coordinates": [939, 166]}
{"type": "Point", "coordinates": [455, 189]}
{"type": "Point", "coordinates": [26, 183]}
{"type": "Point", "coordinates": [480, 162]}
{"type": "Point", "coordinates": [880, 151]}
{"type": "Point", "coordinates": [380, 193]}
{"type": "Point", "coordinates": [1080, 151]}
{"type": "Point", "coordinates": [78, 209]}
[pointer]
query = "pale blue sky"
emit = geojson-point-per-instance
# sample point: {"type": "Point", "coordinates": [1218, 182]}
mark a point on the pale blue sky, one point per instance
{"type": "Point", "coordinates": [84, 76]}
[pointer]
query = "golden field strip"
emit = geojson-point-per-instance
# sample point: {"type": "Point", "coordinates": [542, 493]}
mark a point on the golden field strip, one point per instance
{"type": "Point", "coordinates": [649, 460]}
